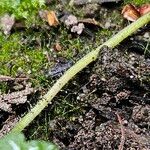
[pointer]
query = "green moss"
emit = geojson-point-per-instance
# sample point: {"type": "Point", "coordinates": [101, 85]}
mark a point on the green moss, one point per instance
{"type": "Point", "coordinates": [17, 58]}
{"type": "Point", "coordinates": [136, 2]}
{"type": "Point", "coordinates": [25, 10]}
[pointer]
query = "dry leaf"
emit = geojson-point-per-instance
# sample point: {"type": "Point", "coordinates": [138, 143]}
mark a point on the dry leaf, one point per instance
{"type": "Point", "coordinates": [144, 9]}
{"type": "Point", "coordinates": [52, 19]}
{"type": "Point", "coordinates": [130, 12]}
{"type": "Point", "coordinates": [90, 21]}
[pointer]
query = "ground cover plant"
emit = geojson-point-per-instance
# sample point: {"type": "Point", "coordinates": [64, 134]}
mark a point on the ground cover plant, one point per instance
{"type": "Point", "coordinates": [17, 141]}
{"type": "Point", "coordinates": [112, 99]}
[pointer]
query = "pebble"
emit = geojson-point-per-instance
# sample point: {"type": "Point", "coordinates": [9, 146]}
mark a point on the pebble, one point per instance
{"type": "Point", "coordinates": [147, 35]}
{"type": "Point", "coordinates": [107, 25]}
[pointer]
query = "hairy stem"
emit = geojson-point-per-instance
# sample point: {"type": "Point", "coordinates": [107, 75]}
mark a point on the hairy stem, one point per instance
{"type": "Point", "coordinates": [69, 74]}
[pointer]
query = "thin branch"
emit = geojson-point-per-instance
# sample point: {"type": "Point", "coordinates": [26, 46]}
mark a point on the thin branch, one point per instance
{"type": "Point", "coordinates": [83, 2]}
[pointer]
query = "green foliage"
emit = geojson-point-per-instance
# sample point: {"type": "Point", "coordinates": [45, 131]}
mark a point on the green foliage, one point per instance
{"type": "Point", "coordinates": [16, 141]}
{"type": "Point", "coordinates": [21, 8]}
{"type": "Point", "coordinates": [15, 55]}
{"type": "Point", "coordinates": [136, 2]}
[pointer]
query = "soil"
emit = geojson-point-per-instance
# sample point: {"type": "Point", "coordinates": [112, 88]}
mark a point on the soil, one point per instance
{"type": "Point", "coordinates": [116, 108]}
{"type": "Point", "coordinates": [110, 98]}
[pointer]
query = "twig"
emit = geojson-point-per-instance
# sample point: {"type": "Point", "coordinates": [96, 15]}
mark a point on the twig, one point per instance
{"type": "Point", "coordinates": [122, 133]}
{"type": "Point", "coordinates": [82, 63]}
{"type": "Point", "coordinates": [5, 78]}
{"type": "Point", "coordinates": [8, 78]}
{"type": "Point", "coordinates": [83, 2]}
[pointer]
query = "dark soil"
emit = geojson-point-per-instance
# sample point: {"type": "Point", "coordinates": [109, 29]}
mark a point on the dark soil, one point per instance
{"type": "Point", "coordinates": [117, 85]}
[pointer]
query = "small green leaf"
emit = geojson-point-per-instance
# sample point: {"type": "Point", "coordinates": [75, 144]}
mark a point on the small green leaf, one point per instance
{"type": "Point", "coordinates": [16, 141]}
{"type": "Point", "coordinates": [41, 145]}
{"type": "Point", "coordinates": [13, 142]}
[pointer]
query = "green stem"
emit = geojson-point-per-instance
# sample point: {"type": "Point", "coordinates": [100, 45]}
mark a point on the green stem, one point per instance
{"type": "Point", "coordinates": [82, 63]}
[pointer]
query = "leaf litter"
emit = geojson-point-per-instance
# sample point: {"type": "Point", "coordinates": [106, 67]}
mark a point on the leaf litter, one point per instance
{"type": "Point", "coordinates": [8, 78]}
{"type": "Point", "coordinates": [76, 25]}
{"type": "Point", "coordinates": [19, 97]}
{"type": "Point", "coordinates": [11, 101]}
{"type": "Point", "coordinates": [9, 124]}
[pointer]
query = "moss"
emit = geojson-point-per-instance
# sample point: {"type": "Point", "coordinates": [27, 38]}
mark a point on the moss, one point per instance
{"type": "Point", "coordinates": [136, 2]}
{"type": "Point", "coordinates": [21, 9]}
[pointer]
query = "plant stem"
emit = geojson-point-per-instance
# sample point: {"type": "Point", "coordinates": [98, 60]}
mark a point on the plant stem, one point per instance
{"type": "Point", "coordinates": [69, 74]}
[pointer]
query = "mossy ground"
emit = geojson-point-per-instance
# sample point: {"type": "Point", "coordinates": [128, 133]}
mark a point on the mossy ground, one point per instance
{"type": "Point", "coordinates": [24, 52]}
{"type": "Point", "coordinates": [136, 2]}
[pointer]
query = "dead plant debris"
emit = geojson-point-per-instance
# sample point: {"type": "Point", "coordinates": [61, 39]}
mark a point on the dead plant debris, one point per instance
{"type": "Point", "coordinates": [83, 2]}
{"type": "Point", "coordinates": [20, 97]}
{"type": "Point", "coordinates": [132, 13]}
{"type": "Point", "coordinates": [8, 78]}
{"type": "Point", "coordinates": [8, 124]}
{"type": "Point", "coordinates": [52, 18]}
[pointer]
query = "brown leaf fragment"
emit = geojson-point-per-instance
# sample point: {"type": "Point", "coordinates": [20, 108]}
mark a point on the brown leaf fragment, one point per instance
{"type": "Point", "coordinates": [57, 47]}
{"type": "Point", "coordinates": [6, 23]}
{"type": "Point", "coordinates": [144, 9]}
{"type": "Point", "coordinates": [52, 19]}
{"type": "Point", "coordinates": [78, 28]}
{"type": "Point", "coordinates": [8, 125]}
{"type": "Point", "coordinates": [130, 12]}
